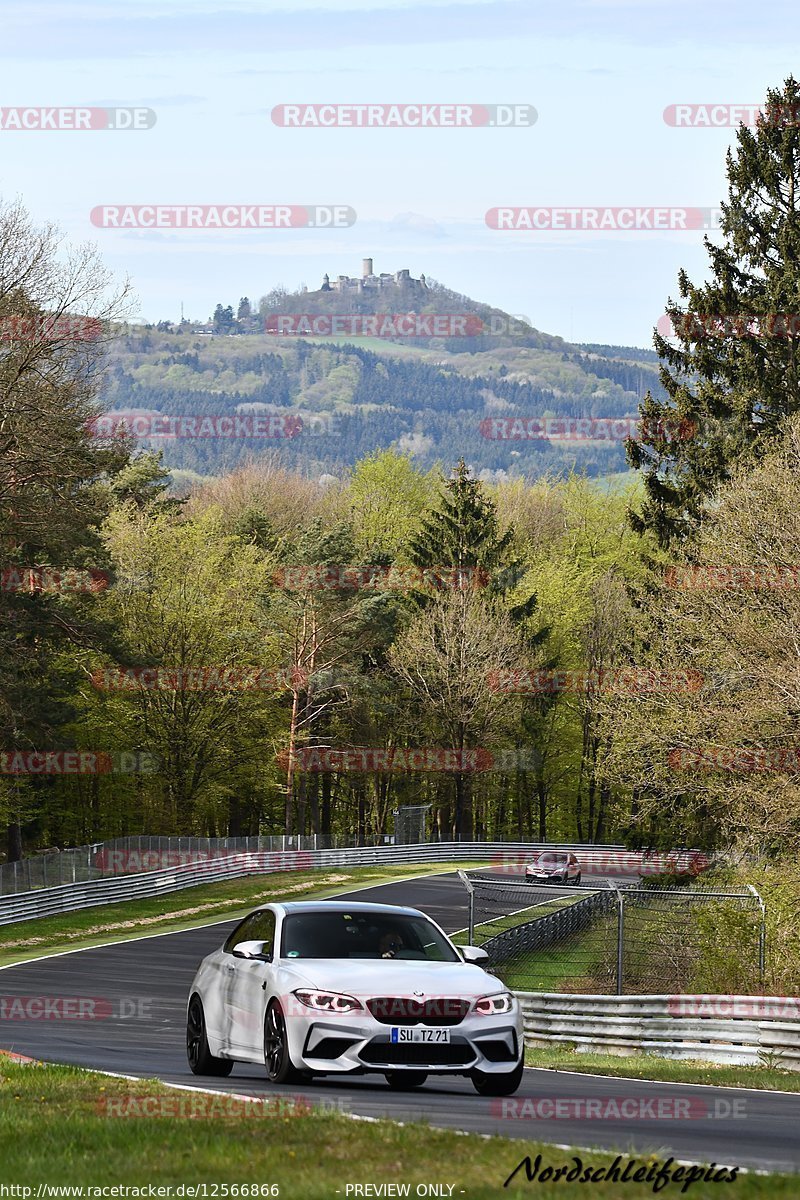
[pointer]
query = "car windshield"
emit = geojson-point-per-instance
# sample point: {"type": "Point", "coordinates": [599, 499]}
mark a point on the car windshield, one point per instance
{"type": "Point", "coordinates": [552, 860]}
{"type": "Point", "coordinates": [371, 935]}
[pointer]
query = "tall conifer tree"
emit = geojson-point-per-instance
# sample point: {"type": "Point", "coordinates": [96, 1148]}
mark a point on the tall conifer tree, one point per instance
{"type": "Point", "coordinates": [734, 373]}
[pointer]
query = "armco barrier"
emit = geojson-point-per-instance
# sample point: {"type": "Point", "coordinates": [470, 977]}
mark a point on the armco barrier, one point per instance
{"type": "Point", "coordinates": [724, 1029]}
{"type": "Point", "coordinates": [129, 855]}
{"type": "Point", "coordinates": [222, 864]}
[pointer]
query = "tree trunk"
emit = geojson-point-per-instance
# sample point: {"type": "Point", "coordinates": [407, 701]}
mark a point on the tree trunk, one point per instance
{"type": "Point", "coordinates": [325, 820]}
{"type": "Point", "coordinates": [361, 832]}
{"type": "Point", "coordinates": [541, 795]}
{"type": "Point", "coordinates": [234, 816]}
{"type": "Point", "coordinates": [290, 770]}
{"type": "Point", "coordinates": [14, 842]}
{"type": "Point", "coordinates": [313, 803]}
{"type": "Point", "coordinates": [302, 789]}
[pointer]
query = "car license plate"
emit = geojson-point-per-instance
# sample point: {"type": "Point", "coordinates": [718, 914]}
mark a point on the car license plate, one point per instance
{"type": "Point", "coordinates": [412, 1033]}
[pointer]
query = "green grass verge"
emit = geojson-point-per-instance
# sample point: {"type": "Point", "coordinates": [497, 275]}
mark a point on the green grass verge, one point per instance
{"type": "Point", "coordinates": [189, 908]}
{"type": "Point", "coordinates": [579, 964]}
{"type": "Point", "coordinates": [490, 929]}
{"type": "Point", "coordinates": [57, 1127]}
{"type": "Point", "coordinates": [664, 1070]}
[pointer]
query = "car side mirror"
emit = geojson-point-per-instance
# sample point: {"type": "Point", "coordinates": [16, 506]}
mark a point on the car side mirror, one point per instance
{"type": "Point", "coordinates": [251, 950]}
{"type": "Point", "coordinates": [473, 954]}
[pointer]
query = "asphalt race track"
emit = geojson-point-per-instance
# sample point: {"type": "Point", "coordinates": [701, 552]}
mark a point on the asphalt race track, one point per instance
{"type": "Point", "coordinates": [144, 986]}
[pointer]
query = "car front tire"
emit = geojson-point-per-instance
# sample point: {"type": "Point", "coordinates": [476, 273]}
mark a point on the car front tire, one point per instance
{"type": "Point", "coordinates": [498, 1085]}
{"type": "Point", "coordinates": [201, 1060]}
{"type": "Point", "coordinates": [405, 1081]}
{"type": "Point", "coordinates": [277, 1061]}
{"type": "Point", "coordinates": [577, 879]}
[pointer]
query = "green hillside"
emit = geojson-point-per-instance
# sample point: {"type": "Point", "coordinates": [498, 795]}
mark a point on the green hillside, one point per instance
{"type": "Point", "coordinates": [434, 397]}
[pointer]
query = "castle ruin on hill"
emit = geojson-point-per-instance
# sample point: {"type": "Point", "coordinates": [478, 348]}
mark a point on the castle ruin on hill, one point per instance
{"type": "Point", "coordinates": [370, 282]}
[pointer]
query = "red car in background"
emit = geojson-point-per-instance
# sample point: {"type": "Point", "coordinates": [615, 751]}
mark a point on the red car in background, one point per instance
{"type": "Point", "coordinates": [554, 866]}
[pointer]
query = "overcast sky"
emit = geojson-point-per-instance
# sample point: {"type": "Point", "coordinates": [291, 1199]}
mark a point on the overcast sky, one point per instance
{"type": "Point", "coordinates": [599, 74]}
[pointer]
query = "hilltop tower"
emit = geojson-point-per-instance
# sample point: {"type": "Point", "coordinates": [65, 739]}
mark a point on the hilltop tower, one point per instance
{"type": "Point", "coordinates": [366, 268]}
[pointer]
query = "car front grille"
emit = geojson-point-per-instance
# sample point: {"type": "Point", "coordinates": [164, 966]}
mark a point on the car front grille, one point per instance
{"type": "Point", "coordinates": [417, 1054]}
{"type": "Point", "coordinates": [408, 1010]}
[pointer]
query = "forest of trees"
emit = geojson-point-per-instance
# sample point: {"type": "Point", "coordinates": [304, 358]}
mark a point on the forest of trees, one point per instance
{"type": "Point", "coordinates": [354, 401]}
{"type": "Point", "coordinates": [533, 658]}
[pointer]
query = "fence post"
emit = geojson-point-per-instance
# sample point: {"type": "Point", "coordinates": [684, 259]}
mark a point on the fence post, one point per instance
{"type": "Point", "coordinates": [620, 939]}
{"type": "Point", "coordinates": [762, 933]}
{"type": "Point", "coordinates": [620, 933]}
{"type": "Point", "coordinates": [467, 882]}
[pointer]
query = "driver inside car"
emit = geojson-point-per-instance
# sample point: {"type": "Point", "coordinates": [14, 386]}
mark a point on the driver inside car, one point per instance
{"type": "Point", "coordinates": [389, 944]}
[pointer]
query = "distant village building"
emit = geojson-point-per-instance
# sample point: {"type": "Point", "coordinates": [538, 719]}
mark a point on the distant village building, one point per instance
{"type": "Point", "coordinates": [370, 282]}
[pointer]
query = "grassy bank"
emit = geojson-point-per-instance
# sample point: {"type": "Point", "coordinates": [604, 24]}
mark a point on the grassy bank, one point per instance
{"type": "Point", "coordinates": [666, 1070]}
{"type": "Point", "coordinates": [582, 963]}
{"type": "Point", "coordinates": [64, 1126]}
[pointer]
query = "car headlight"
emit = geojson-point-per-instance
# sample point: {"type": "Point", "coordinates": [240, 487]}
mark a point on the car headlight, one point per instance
{"type": "Point", "coordinates": [332, 1002]}
{"type": "Point", "coordinates": [492, 1006]}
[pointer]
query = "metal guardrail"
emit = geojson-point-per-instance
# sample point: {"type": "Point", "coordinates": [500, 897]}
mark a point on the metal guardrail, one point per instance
{"type": "Point", "coordinates": [118, 887]}
{"type": "Point", "coordinates": [138, 853]}
{"type": "Point", "coordinates": [745, 1030]}
{"type": "Point", "coordinates": [128, 855]}
{"type": "Point", "coordinates": [113, 882]}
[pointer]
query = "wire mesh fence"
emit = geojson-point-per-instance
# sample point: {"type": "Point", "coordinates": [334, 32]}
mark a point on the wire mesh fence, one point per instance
{"type": "Point", "coordinates": [629, 939]}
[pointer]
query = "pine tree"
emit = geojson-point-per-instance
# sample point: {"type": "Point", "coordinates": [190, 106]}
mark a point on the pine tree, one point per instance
{"type": "Point", "coordinates": [735, 372]}
{"type": "Point", "coordinates": [463, 532]}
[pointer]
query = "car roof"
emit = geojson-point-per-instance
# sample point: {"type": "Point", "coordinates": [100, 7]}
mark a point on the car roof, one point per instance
{"type": "Point", "coordinates": [345, 906]}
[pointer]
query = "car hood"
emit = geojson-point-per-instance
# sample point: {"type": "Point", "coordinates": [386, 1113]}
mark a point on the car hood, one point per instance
{"type": "Point", "coordinates": [386, 977]}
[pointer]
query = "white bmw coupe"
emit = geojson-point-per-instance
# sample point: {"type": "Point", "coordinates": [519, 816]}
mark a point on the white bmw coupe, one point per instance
{"type": "Point", "coordinates": [333, 987]}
